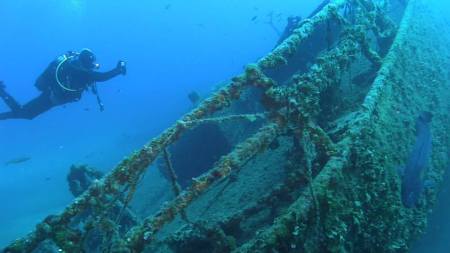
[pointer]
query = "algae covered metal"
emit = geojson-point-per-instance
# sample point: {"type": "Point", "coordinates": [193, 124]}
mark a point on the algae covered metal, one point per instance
{"type": "Point", "coordinates": [318, 171]}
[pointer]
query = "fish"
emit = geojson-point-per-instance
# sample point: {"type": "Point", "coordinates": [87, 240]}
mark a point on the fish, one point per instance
{"type": "Point", "coordinates": [254, 18]}
{"type": "Point", "coordinates": [18, 160]}
{"type": "Point", "coordinates": [412, 179]}
{"type": "Point", "coordinates": [194, 97]}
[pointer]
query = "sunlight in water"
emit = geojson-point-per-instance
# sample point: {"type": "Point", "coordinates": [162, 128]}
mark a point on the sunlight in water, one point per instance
{"type": "Point", "coordinates": [76, 7]}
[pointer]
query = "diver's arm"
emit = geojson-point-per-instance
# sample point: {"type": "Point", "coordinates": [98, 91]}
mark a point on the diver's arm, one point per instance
{"type": "Point", "coordinates": [103, 76]}
{"type": "Point", "coordinates": [120, 69]}
{"type": "Point", "coordinates": [95, 76]}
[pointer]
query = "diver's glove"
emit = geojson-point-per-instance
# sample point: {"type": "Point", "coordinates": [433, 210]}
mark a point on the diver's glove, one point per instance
{"type": "Point", "coordinates": [122, 66]}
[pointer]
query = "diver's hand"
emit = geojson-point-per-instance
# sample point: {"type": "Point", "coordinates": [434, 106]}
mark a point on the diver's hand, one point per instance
{"type": "Point", "coordinates": [122, 66]}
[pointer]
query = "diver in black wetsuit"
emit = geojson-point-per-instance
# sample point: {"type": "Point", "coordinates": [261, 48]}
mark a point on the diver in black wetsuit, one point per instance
{"type": "Point", "coordinates": [294, 21]}
{"type": "Point", "coordinates": [292, 24]}
{"type": "Point", "coordinates": [64, 81]}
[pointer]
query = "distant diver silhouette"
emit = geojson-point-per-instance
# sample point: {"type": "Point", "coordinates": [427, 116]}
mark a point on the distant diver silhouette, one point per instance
{"type": "Point", "coordinates": [293, 22]}
{"type": "Point", "coordinates": [62, 82]}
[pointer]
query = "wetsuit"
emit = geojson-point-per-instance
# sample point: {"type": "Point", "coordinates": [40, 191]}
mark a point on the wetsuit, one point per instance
{"type": "Point", "coordinates": [52, 93]}
{"type": "Point", "coordinates": [289, 29]}
{"type": "Point", "coordinates": [293, 22]}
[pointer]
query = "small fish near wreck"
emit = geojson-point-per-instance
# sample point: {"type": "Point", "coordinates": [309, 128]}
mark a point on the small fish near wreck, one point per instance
{"type": "Point", "coordinates": [17, 161]}
{"type": "Point", "coordinates": [194, 97]}
{"type": "Point", "coordinates": [412, 181]}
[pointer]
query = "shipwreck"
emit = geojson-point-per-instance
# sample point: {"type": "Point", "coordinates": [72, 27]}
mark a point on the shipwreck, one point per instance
{"type": "Point", "coordinates": [310, 137]}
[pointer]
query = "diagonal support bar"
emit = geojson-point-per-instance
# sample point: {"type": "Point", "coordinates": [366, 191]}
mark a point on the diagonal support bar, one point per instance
{"type": "Point", "coordinates": [142, 235]}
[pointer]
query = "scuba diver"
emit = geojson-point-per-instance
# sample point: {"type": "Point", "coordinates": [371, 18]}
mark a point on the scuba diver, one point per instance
{"type": "Point", "coordinates": [62, 82]}
{"type": "Point", "coordinates": [294, 21]}
{"type": "Point", "coordinates": [292, 24]}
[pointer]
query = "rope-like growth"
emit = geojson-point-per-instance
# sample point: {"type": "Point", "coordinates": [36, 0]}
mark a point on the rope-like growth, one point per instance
{"type": "Point", "coordinates": [142, 235]}
{"type": "Point", "coordinates": [300, 101]}
{"type": "Point", "coordinates": [171, 172]}
{"type": "Point", "coordinates": [248, 117]}
{"type": "Point", "coordinates": [113, 183]}
{"type": "Point", "coordinates": [173, 179]}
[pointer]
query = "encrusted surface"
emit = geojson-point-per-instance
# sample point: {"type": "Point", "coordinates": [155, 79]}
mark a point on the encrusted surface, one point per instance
{"type": "Point", "coordinates": [305, 181]}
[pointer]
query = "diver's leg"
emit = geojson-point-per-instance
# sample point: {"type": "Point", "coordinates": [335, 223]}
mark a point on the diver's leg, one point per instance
{"type": "Point", "coordinates": [31, 109]}
{"type": "Point", "coordinates": [6, 115]}
{"type": "Point", "coordinates": [36, 106]}
{"type": "Point", "coordinates": [9, 100]}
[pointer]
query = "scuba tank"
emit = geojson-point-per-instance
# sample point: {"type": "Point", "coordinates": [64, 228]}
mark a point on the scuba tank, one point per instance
{"type": "Point", "coordinates": [46, 80]}
{"type": "Point", "coordinates": [63, 79]}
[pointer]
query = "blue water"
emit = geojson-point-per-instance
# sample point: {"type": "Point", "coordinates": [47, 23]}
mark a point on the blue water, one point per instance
{"type": "Point", "coordinates": [172, 47]}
